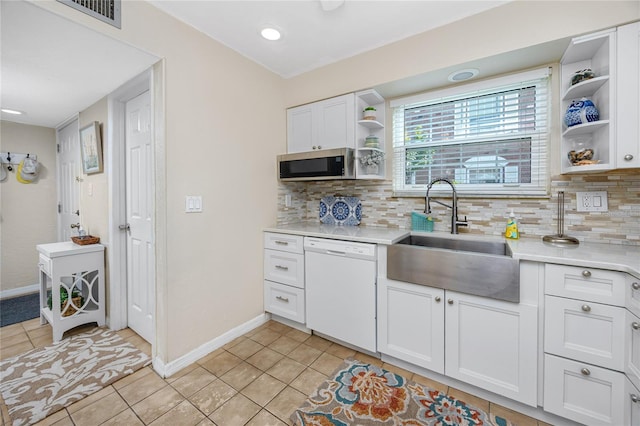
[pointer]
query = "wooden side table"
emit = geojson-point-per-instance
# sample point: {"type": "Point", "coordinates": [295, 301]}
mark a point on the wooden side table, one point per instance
{"type": "Point", "coordinates": [75, 274]}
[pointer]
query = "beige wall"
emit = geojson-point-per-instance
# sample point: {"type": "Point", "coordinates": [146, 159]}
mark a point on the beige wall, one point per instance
{"type": "Point", "coordinates": [94, 196]}
{"type": "Point", "coordinates": [28, 211]}
{"type": "Point", "coordinates": [218, 147]}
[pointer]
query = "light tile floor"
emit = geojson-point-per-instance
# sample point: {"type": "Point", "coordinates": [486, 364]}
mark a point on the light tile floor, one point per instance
{"type": "Point", "coordinates": [259, 379]}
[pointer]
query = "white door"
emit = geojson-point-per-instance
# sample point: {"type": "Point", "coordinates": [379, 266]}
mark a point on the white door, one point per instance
{"type": "Point", "coordinates": [69, 172]}
{"type": "Point", "coordinates": [139, 210]}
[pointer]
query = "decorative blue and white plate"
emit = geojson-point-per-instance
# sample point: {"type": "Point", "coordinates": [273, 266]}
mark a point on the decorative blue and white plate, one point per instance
{"type": "Point", "coordinates": [340, 211]}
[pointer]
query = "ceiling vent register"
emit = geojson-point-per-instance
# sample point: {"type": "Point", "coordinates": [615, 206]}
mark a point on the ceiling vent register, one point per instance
{"type": "Point", "coordinates": [105, 10]}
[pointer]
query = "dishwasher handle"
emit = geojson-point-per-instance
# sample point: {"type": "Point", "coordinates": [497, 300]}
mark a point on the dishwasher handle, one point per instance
{"type": "Point", "coordinates": [336, 253]}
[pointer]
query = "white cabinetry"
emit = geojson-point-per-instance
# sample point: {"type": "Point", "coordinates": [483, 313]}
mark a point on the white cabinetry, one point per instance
{"type": "Point", "coordinates": [597, 52]}
{"type": "Point", "coordinates": [75, 274]}
{"type": "Point", "coordinates": [325, 124]}
{"type": "Point", "coordinates": [411, 323]}
{"type": "Point", "coordinates": [591, 340]}
{"type": "Point", "coordinates": [373, 129]}
{"type": "Point", "coordinates": [284, 276]}
{"type": "Point", "coordinates": [488, 343]}
{"type": "Point", "coordinates": [632, 407]}
{"type": "Point", "coordinates": [628, 94]}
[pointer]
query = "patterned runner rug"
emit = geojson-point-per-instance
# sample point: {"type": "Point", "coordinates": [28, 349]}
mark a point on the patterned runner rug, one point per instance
{"type": "Point", "coordinates": [45, 380]}
{"type": "Point", "coordinates": [363, 394]}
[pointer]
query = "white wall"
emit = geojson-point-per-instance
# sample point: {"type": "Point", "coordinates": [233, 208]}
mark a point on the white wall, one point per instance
{"type": "Point", "coordinates": [28, 211]}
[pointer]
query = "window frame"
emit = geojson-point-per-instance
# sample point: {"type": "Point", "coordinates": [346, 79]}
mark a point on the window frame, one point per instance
{"type": "Point", "coordinates": [539, 139]}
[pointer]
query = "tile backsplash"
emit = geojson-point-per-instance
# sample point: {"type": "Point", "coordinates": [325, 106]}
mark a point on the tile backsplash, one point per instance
{"type": "Point", "coordinates": [537, 216]}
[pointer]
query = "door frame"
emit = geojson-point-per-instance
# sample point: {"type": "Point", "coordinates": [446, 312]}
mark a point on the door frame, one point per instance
{"type": "Point", "coordinates": [152, 80]}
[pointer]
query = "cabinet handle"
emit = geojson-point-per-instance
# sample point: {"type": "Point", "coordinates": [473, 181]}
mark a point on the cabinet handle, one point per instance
{"type": "Point", "coordinates": [319, 147]}
{"type": "Point", "coordinates": [634, 398]}
{"type": "Point", "coordinates": [635, 286]}
{"type": "Point", "coordinates": [585, 371]}
{"type": "Point", "coordinates": [437, 299]}
{"type": "Point", "coordinates": [586, 308]}
{"type": "Point", "coordinates": [282, 243]}
{"type": "Point", "coordinates": [284, 299]}
{"type": "Point", "coordinates": [313, 147]}
{"type": "Point", "coordinates": [450, 301]}
{"type": "Point", "coordinates": [635, 325]}
{"type": "Point", "coordinates": [586, 273]}
{"type": "Point", "coordinates": [282, 268]}
{"type": "Point", "coordinates": [628, 157]}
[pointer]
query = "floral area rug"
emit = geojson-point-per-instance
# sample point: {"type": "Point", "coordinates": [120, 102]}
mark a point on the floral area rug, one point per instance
{"type": "Point", "coordinates": [45, 380]}
{"type": "Point", "coordinates": [363, 394]}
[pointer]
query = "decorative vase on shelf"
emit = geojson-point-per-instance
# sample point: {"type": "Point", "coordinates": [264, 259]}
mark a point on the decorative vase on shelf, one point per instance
{"type": "Point", "coordinates": [369, 113]}
{"type": "Point", "coordinates": [580, 112]}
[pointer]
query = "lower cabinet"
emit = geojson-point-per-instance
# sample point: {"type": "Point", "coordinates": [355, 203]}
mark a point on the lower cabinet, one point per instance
{"type": "Point", "coordinates": [632, 410]}
{"type": "Point", "coordinates": [488, 343]}
{"type": "Point", "coordinates": [284, 300]}
{"type": "Point", "coordinates": [583, 392]}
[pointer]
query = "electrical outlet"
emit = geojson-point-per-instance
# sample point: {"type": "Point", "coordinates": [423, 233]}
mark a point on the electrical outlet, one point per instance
{"type": "Point", "coordinates": [592, 201]}
{"type": "Point", "coordinates": [193, 204]}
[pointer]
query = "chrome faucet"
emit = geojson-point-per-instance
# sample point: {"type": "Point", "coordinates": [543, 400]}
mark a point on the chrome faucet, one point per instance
{"type": "Point", "coordinates": [454, 205]}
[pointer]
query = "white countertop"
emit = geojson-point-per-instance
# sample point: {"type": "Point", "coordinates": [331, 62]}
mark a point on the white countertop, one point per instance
{"type": "Point", "coordinates": [615, 257]}
{"type": "Point", "coordinates": [362, 234]}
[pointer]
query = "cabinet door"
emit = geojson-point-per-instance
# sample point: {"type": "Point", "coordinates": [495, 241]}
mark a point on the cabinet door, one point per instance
{"type": "Point", "coordinates": [584, 393]}
{"type": "Point", "coordinates": [492, 344]}
{"type": "Point", "coordinates": [411, 323]}
{"type": "Point", "coordinates": [632, 361]}
{"type": "Point", "coordinates": [628, 93]}
{"type": "Point", "coordinates": [301, 132]}
{"type": "Point", "coordinates": [336, 122]}
{"type": "Point", "coordinates": [632, 407]}
{"type": "Point", "coordinates": [585, 331]}
{"type": "Point", "coordinates": [284, 267]}
{"type": "Point", "coordinates": [285, 301]}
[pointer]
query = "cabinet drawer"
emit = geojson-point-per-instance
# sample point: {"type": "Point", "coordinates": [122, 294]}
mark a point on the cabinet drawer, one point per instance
{"type": "Point", "coordinates": [44, 263]}
{"type": "Point", "coordinates": [582, 392]}
{"type": "Point", "coordinates": [585, 331]}
{"type": "Point", "coordinates": [283, 267]}
{"type": "Point", "coordinates": [632, 361]}
{"type": "Point", "coordinates": [594, 285]}
{"type": "Point", "coordinates": [284, 242]}
{"type": "Point", "coordinates": [284, 300]}
{"type": "Point", "coordinates": [632, 410]}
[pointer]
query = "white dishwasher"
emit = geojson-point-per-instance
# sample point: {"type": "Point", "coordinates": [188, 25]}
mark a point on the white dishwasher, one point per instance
{"type": "Point", "coordinates": [340, 290]}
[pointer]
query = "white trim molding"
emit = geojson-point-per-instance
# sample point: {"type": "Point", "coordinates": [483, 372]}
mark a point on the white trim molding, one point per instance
{"type": "Point", "coordinates": [20, 291]}
{"type": "Point", "coordinates": [170, 368]}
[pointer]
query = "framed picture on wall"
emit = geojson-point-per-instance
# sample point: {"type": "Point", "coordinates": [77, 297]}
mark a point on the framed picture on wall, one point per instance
{"type": "Point", "coordinates": [91, 148]}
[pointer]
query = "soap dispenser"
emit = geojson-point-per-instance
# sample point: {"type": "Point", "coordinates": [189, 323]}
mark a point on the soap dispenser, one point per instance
{"type": "Point", "coordinates": [511, 230]}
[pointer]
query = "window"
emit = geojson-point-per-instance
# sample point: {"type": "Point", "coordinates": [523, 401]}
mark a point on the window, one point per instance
{"type": "Point", "coordinates": [488, 137]}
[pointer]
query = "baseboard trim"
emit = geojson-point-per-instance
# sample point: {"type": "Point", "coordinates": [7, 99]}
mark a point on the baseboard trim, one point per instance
{"type": "Point", "coordinates": [170, 368]}
{"type": "Point", "coordinates": [20, 291]}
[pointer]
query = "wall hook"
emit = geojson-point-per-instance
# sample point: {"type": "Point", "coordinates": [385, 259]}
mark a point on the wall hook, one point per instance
{"type": "Point", "coordinates": [9, 161]}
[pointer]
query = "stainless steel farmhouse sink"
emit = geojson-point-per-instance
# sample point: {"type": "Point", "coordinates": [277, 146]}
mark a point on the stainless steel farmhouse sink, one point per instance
{"type": "Point", "coordinates": [479, 267]}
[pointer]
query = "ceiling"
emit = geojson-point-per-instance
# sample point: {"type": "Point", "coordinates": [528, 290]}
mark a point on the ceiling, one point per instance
{"type": "Point", "coordinates": [312, 36]}
{"type": "Point", "coordinates": [51, 67]}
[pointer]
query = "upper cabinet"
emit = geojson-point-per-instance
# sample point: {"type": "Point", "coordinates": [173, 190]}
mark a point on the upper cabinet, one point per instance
{"type": "Point", "coordinates": [354, 120]}
{"type": "Point", "coordinates": [592, 140]}
{"type": "Point", "coordinates": [325, 124]}
{"type": "Point", "coordinates": [628, 94]}
{"type": "Point", "coordinates": [610, 138]}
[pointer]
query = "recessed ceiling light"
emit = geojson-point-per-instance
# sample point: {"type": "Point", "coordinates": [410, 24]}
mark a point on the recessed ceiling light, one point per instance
{"type": "Point", "coordinates": [463, 75]}
{"type": "Point", "coordinates": [270, 34]}
{"type": "Point", "coordinates": [11, 111]}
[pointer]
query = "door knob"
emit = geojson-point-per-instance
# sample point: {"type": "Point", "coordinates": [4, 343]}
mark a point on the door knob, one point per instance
{"type": "Point", "coordinates": [628, 157]}
{"type": "Point", "coordinates": [125, 227]}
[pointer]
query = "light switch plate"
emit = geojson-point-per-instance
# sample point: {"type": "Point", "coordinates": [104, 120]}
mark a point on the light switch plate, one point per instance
{"type": "Point", "coordinates": [594, 201]}
{"type": "Point", "coordinates": [193, 204]}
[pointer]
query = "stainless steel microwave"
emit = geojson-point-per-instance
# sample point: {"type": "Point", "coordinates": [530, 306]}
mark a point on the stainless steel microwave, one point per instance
{"type": "Point", "coordinates": [326, 164]}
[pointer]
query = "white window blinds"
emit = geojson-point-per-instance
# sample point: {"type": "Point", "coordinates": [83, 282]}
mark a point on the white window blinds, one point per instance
{"type": "Point", "coordinates": [489, 137]}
